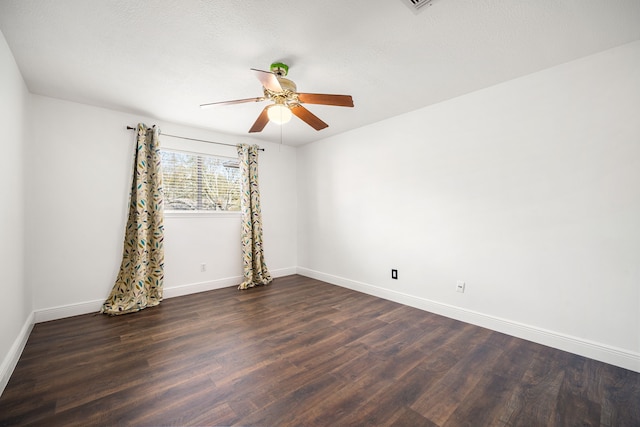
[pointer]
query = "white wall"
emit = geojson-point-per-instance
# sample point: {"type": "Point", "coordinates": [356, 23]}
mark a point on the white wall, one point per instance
{"type": "Point", "coordinates": [16, 299]}
{"type": "Point", "coordinates": [529, 191]}
{"type": "Point", "coordinates": [77, 199]}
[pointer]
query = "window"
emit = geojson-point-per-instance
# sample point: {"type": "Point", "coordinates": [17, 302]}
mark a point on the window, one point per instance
{"type": "Point", "coordinates": [200, 182]}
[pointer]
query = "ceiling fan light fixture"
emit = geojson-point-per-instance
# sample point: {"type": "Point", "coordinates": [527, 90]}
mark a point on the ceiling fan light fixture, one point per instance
{"type": "Point", "coordinates": [279, 114]}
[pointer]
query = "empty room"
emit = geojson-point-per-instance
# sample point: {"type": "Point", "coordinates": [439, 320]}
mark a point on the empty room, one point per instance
{"type": "Point", "coordinates": [329, 213]}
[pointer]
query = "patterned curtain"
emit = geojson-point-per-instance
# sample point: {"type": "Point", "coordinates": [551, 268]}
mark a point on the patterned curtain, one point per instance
{"type": "Point", "coordinates": [139, 282]}
{"type": "Point", "coordinates": [255, 268]}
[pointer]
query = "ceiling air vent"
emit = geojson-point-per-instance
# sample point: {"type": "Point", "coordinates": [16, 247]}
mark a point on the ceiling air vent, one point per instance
{"type": "Point", "coordinates": [417, 5]}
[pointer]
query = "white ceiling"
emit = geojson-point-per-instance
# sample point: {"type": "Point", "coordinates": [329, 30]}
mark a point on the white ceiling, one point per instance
{"type": "Point", "coordinates": [162, 58]}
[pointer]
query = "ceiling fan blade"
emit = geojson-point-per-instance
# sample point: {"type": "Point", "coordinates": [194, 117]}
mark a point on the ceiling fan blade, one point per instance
{"type": "Point", "coordinates": [268, 80]}
{"type": "Point", "coordinates": [261, 121]}
{"type": "Point", "coordinates": [324, 99]}
{"type": "Point", "coordinates": [308, 117]}
{"type": "Point", "coordinates": [236, 101]}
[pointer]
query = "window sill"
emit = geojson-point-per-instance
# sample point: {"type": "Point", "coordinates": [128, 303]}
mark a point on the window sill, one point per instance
{"type": "Point", "coordinates": [202, 214]}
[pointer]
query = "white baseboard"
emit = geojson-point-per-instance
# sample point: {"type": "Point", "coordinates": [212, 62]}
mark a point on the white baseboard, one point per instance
{"type": "Point", "coordinates": [60, 312]}
{"type": "Point", "coordinates": [194, 288]}
{"type": "Point", "coordinates": [593, 350]}
{"type": "Point", "coordinates": [11, 359]}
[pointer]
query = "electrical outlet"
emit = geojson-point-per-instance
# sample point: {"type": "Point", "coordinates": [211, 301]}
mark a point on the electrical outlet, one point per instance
{"type": "Point", "coordinates": [203, 267]}
{"type": "Point", "coordinates": [460, 285]}
{"type": "Point", "coordinates": [394, 274]}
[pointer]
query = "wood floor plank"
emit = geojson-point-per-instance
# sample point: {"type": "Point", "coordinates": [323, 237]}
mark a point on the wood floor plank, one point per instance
{"type": "Point", "coordinates": [291, 408]}
{"type": "Point", "coordinates": [534, 399]}
{"type": "Point", "coordinates": [384, 407]}
{"type": "Point", "coordinates": [301, 352]}
{"type": "Point", "coordinates": [576, 398]}
{"type": "Point", "coordinates": [439, 401]}
{"type": "Point", "coordinates": [408, 417]}
{"type": "Point", "coordinates": [621, 399]}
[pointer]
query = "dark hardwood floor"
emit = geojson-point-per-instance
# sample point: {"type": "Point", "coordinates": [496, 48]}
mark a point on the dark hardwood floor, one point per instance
{"type": "Point", "coordinates": [300, 352]}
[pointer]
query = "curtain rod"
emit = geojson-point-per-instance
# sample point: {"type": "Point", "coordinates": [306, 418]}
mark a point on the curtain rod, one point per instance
{"type": "Point", "coordinates": [194, 139]}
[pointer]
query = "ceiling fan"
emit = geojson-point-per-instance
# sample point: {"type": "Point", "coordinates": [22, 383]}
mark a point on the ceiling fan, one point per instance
{"type": "Point", "coordinates": [286, 100]}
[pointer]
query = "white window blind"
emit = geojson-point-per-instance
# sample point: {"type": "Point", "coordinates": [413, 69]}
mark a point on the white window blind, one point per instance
{"type": "Point", "coordinates": [199, 182]}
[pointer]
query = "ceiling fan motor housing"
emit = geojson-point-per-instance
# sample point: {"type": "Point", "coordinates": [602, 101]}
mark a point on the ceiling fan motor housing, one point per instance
{"type": "Point", "coordinates": [287, 85]}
